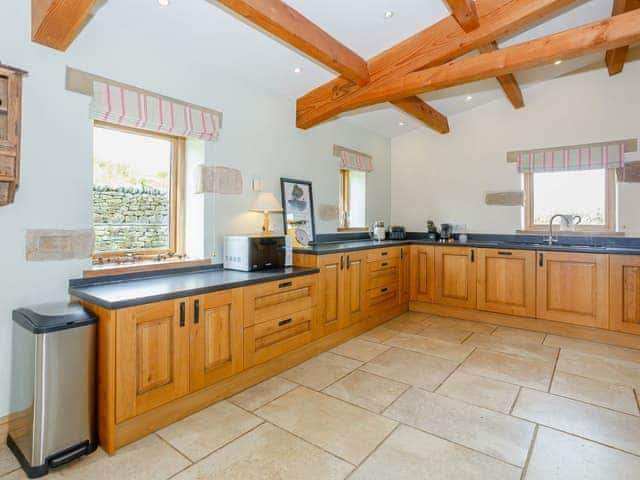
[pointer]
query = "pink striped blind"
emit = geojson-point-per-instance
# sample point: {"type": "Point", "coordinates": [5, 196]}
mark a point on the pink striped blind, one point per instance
{"type": "Point", "coordinates": [352, 159]}
{"type": "Point", "coordinates": [588, 157]}
{"type": "Point", "coordinates": [119, 105]}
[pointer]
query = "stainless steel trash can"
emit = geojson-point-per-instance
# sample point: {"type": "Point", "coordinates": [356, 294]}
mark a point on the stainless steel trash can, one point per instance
{"type": "Point", "coordinates": [53, 386]}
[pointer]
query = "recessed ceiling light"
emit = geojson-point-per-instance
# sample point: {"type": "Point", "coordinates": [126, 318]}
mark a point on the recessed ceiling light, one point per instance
{"type": "Point", "coordinates": [469, 98]}
{"type": "Point", "coordinates": [388, 14]}
{"type": "Point", "coordinates": [401, 124]}
{"type": "Point", "coordinates": [297, 70]}
{"type": "Point", "coordinates": [557, 62]}
{"type": "Point", "coordinates": [163, 3]}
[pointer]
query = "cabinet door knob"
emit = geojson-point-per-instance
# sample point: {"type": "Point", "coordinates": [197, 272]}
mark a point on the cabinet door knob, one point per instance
{"type": "Point", "coordinates": [196, 311]}
{"type": "Point", "coordinates": [341, 263]}
{"type": "Point", "coordinates": [348, 262]}
{"type": "Point", "coordinates": [541, 259]}
{"type": "Point", "coordinates": [473, 255]}
{"type": "Point", "coordinates": [285, 284]}
{"type": "Point", "coordinates": [284, 322]}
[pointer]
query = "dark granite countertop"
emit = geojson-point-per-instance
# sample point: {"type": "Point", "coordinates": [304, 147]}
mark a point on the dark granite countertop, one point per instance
{"type": "Point", "coordinates": [350, 246]}
{"type": "Point", "coordinates": [132, 290]}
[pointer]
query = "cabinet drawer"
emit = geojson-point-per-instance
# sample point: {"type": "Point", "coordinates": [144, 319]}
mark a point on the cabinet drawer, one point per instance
{"type": "Point", "coordinates": [380, 298]}
{"type": "Point", "coordinates": [382, 278]}
{"type": "Point", "coordinates": [383, 253]}
{"type": "Point", "coordinates": [272, 338]}
{"type": "Point", "coordinates": [387, 264]}
{"type": "Point", "coordinates": [277, 299]}
{"type": "Point", "coordinates": [7, 166]}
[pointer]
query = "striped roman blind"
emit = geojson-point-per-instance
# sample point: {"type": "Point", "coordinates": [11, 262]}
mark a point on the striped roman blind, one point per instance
{"type": "Point", "coordinates": [139, 109]}
{"type": "Point", "coordinates": [587, 157]}
{"type": "Point", "coordinates": [352, 159]}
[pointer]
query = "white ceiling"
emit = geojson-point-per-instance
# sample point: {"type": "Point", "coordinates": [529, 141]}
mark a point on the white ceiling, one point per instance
{"type": "Point", "coordinates": [206, 32]}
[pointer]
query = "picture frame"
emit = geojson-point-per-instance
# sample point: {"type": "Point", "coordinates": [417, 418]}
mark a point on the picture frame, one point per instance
{"type": "Point", "coordinates": [298, 213]}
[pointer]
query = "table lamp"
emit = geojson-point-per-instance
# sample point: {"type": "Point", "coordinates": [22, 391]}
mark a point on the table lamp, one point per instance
{"type": "Point", "coordinates": [266, 203]}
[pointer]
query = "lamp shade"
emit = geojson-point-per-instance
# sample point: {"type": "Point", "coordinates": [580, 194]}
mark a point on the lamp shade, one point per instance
{"type": "Point", "coordinates": [266, 202]}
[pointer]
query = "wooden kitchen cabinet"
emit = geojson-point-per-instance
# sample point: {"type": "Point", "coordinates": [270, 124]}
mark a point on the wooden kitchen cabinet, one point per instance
{"type": "Point", "coordinates": [216, 337]}
{"type": "Point", "coordinates": [331, 290]}
{"type": "Point", "coordinates": [355, 289]}
{"type": "Point", "coordinates": [405, 275]}
{"type": "Point", "coordinates": [507, 281]}
{"type": "Point", "coordinates": [625, 293]}
{"type": "Point", "coordinates": [422, 273]}
{"type": "Point", "coordinates": [152, 356]}
{"type": "Point", "coordinates": [455, 282]}
{"type": "Point", "coordinates": [573, 288]}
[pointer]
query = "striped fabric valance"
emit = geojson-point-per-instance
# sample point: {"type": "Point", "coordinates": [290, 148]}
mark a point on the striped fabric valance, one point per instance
{"type": "Point", "coordinates": [122, 106]}
{"type": "Point", "coordinates": [588, 157]}
{"type": "Point", "coordinates": [353, 160]}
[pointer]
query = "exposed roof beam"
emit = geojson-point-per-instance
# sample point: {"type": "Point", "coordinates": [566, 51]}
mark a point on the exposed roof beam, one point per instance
{"type": "Point", "coordinates": [595, 37]}
{"type": "Point", "coordinates": [508, 82]}
{"type": "Point", "coordinates": [287, 24]}
{"type": "Point", "coordinates": [55, 23]}
{"type": "Point", "coordinates": [615, 58]}
{"type": "Point", "coordinates": [440, 43]}
{"type": "Point", "coordinates": [423, 112]}
{"type": "Point", "coordinates": [465, 13]}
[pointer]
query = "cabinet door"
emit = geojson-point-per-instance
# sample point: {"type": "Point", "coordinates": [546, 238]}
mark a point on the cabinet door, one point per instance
{"type": "Point", "coordinates": [625, 293]}
{"type": "Point", "coordinates": [216, 337]}
{"type": "Point", "coordinates": [331, 289]}
{"type": "Point", "coordinates": [152, 356]}
{"type": "Point", "coordinates": [405, 275]}
{"type": "Point", "coordinates": [507, 281]}
{"type": "Point", "coordinates": [422, 266]}
{"type": "Point", "coordinates": [355, 289]}
{"type": "Point", "coordinates": [573, 288]}
{"type": "Point", "coordinates": [455, 276]}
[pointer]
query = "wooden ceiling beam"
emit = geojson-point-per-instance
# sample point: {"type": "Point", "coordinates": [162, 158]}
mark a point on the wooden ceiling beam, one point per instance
{"type": "Point", "coordinates": [437, 44]}
{"type": "Point", "coordinates": [595, 37]}
{"type": "Point", "coordinates": [508, 82]}
{"type": "Point", "coordinates": [615, 58]}
{"type": "Point", "coordinates": [287, 24]}
{"type": "Point", "coordinates": [428, 115]}
{"type": "Point", "coordinates": [465, 13]}
{"type": "Point", "coordinates": [55, 23]}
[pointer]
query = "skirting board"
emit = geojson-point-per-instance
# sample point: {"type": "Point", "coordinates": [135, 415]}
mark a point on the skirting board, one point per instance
{"type": "Point", "coordinates": [528, 323]}
{"type": "Point", "coordinates": [137, 427]}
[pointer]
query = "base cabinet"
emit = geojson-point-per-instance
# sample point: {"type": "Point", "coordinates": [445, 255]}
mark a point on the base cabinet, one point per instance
{"type": "Point", "coordinates": [330, 292]}
{"type": "Point", "coordinates": [422, 273]}
{"type": "Point", "coordinates": [216, 338]}
{"type": "Point", "coordinates": [455, 283]}
{"type": "Point", "coordinates": [625, 293]}
{"type": "Point", "coordinates": [507, 281]}
{"type": "Point", "coordinates": [355, 289]}
{"type": "Point", "coordinates": [573, 288]}
{"type": "Point", "coordinates": [152, 356]}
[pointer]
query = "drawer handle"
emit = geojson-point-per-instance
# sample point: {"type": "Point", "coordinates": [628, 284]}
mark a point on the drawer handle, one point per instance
{"type": "Point", "coordinates": [384, 254]}
{"type": "Point", "coordinates": [284, 322]}
{"type": "Point", "coordinates": [182, 314]}
{"type": "Point", "coordinates": [384, 264]}
{"type": "Point", "coordinates": [384, 289]}
{"type": "Point", "coordinates": [505, 253]}
{"type": "Point", "coordinates": [285, 284]}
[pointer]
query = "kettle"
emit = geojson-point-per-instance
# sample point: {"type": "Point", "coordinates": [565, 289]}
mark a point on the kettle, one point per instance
{"type": "Point", "coordinates": [377, 231]}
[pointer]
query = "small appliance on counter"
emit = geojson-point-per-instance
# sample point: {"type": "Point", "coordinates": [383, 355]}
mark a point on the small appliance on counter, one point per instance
{"type": "Point", "coordinates": [378, 231]}
{"type": "Point", "coordinates": [432, 231]}
{"type": "Point", "coordinates": [250, 253]}
{"type": "Point", "coordinates": [446, 232]}
{"type": "Point", "coordinates": [397, 232]}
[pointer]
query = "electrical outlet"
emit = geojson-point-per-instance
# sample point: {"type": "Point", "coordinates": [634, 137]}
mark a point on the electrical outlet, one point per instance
{"type": "Point", "coordinates": [214, 254]}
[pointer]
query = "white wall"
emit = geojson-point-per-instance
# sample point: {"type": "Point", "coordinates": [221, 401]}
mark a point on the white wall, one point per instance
{"type": "Point", "coordinates": [445, 177]}
{"type": "Point", "coordinates": [258, 137]}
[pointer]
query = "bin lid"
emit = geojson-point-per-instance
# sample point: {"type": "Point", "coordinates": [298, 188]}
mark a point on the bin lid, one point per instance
{"type": "Point", "coordinates": [52, 317]}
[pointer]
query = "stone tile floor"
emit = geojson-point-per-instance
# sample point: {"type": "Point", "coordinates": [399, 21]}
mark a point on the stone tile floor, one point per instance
{"type": "Point", "coordinates": [418, 397]}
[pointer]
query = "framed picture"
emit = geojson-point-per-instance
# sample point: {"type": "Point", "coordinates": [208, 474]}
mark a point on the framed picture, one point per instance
{"type": "Point", "coordinates": [297, 205]}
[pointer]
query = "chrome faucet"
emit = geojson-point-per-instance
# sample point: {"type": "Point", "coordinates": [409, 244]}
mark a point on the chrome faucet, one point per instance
{"type": "Point", "coordinates": [568, 219]}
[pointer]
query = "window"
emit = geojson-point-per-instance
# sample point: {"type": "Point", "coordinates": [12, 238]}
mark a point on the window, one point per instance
{"type": "Point", "coordinates": [587, 193]}
{"type": "Point", "coordinates": [136, 192]}
{"type": "Point", "coordinates": [353, 199]}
